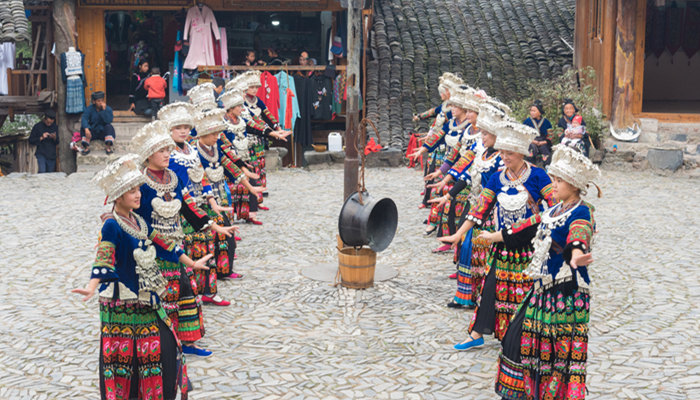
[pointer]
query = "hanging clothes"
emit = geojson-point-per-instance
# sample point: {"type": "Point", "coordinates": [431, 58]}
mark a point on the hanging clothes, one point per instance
{"type": "Point", "coordinates": [223, 44]}
{"type": "Point", "coordinates": [305, 93]}
{"type": "Point", "coordinates": [269, 93]}
{"type": "Point", "coordinates": [323, 97]}
{"type": "Point", "coordinates": [177, 66]}
{"type": "Point", "coordinates": [7, 60]}
{"type": "Point", "coordinates": [338, 93]}
{"type": "Point", "coordinates": [72, 73]}
{"type": "Point", "coordinates": [288, 101]}
{"type": "Point", "coordinates": [201, 23]}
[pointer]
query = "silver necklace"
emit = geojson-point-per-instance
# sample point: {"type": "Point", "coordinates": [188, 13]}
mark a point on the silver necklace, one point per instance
{"type": "Point", "coordinates": [518, 181]}
{"type": "Point", "coordinates": [213, 158]}
{"type": "Point", "coordinates": [542, 241]}
{"type": "Point", "coordinates": [141, 234]}
{"type": "Point", "coordinates": [162, 188]}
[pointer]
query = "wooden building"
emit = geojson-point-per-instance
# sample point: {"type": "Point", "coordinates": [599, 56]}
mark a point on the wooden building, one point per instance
{"type": "Point", "coordinates": [646, 58]}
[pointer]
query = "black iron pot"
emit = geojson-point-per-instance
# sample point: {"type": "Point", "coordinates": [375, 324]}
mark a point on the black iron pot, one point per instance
{"type": "Point", "coordinates": [370, 222]}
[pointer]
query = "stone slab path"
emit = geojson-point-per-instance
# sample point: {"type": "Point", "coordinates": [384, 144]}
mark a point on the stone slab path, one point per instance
{"type": "Point", "coordinates": [289, 337]}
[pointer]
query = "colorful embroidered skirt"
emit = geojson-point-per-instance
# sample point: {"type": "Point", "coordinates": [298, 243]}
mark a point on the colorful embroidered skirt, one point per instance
{"type": "Point", "coordinates": [221, 247]}
{"type": "Point", "coordinates": [504, 288]}
{"type": "Point", "coordinates": [190, 325]}
{"type": "Point", "coordinates": [140, 356]}
{"type": "Point", "coordinates": [437, 211]}
{"type": "Point", "coordinates": [452, 213]}
{"type": "Point", "coordinates": [242, 205]}
{"type": "Point", "coordinates": [545, 349]}
{"type": "Point", "coordinates": [198, 245]}
{"type": "Point", "coordinates": [257, 160]}
{"type": "Point", "coordinates": [471, 267]}
{"type": "Point", "coordinates": [434, 161]}
{"type": "Point", "coordinates": [171, 273]}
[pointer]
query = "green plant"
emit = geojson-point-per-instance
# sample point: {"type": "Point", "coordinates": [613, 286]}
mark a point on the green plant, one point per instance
{"type": "Point", "coordinates": [573, 84]}
{"type": "Point", "coordinates": [22, 124]}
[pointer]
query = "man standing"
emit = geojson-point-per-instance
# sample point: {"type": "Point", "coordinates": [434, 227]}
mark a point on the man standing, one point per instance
{"type": "Point", "coordinates": [97, 124]}
{"type": "Point", "coordinates": [45, 137]}
{"type": "Point", "coordinates": [219, 84]}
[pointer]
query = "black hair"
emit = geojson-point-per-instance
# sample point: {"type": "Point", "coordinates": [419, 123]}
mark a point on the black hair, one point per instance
{"type": "Point", "coordinates": [50, 114]}
{"type": "Point", "coordinates": [568, 101]}
{"type": "Point", "coordinates": [540, 107]}
{"type": "Point", "coordinates": [247, 52]}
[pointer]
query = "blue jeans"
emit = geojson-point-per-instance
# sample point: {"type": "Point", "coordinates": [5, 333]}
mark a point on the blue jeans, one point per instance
{"type": "Point", "coordinates": [45, 165]}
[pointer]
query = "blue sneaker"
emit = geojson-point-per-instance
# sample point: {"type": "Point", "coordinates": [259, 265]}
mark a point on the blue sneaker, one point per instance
{"type": "Point", "coordinates": [195, 351]}
{"type": "Point", "coordinates": [468, 345]}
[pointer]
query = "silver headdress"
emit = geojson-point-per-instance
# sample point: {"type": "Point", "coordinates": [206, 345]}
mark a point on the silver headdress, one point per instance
{"type": "Point", "coordinates": [179, 113]}
{"type": "Point", "coordinates": [489, 118]}
{"type": "Point", "coordinates": [209, 122]}
{"type": "Point", "coordinates": [231, 98]}
{"type": "Point", "coordinates": [573, 167]}
{"type": "Point", "coordinates": [514, 136]}
{"type": "Point", "coordinates": [151, 138]}
{"type": "Point", "coordinates": [463, 97]}
{"type": "Point", "coordinates": [450, 81]}
{"type": "Point", "coordinates": [120, 176]}
{"type": "Point", "coordinates": [202, 96]}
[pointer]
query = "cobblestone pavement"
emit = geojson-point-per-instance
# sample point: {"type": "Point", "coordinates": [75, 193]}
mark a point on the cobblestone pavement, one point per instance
{"type": "Point", "coordinates": [289, 337]}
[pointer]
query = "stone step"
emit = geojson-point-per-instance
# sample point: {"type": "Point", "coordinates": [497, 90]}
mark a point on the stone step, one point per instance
{"type": "Point", "coordinates": [98, 157]}
{"type": "Point", "coordinates": [126, 130]}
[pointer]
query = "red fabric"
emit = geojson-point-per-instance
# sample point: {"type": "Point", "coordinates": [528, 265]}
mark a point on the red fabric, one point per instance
{"type": "Point", "coordinates": [412, 146]}
{"type": "Point", "coordinates": [372, 146]}
{"type": "Point", "coordinates": [217, 50]}
{"type": "Point", "coordinates": [155, 85]}
{"type": "Point", "coordinates": [269, 93]}
{"type": "Point", "coordinates": [288, 111]}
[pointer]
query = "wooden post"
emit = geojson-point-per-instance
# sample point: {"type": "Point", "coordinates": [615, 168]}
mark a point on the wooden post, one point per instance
{"type": "Point", "coordinates": [352, 119]}
{"type": "Point", "coordinates": [623, 90]}
{"type": "Point", "coordinates": [65, 36]}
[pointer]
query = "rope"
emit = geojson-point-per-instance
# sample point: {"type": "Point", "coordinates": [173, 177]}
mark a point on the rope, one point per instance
{"type": "Point", "coordinates": [363, 137]}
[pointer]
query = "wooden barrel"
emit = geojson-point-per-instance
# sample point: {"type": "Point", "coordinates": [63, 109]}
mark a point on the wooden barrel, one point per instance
{"type": "Point", "coordinates": [356, 267]}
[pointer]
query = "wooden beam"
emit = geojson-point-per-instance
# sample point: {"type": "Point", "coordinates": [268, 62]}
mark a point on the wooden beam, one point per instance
{"type": "Point", "coordinates": [670, 117]}
{"type": "Point", "coordinates": [640, 43]}
{"type": "Point", "coordinates": [622, 104]}
{"type": "Point", "coordinates": [65, 35]}
{"type": "Point", "coordinates": [352, 121]}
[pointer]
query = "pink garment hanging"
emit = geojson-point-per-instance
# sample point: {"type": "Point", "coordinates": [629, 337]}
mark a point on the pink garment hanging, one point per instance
{"type": "Point", "coordinates": [223, 42]}
{"type": "Point", "coordinates": [201, 24]}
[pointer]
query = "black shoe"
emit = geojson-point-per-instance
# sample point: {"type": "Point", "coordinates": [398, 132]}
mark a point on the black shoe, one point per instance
{"type": "Point", "coordinates": [454, 304]}
{"type": "Point", "coordinates": [265, 194]}
{"type": "Point", "coordinates": [430, 232]}
{"type": "Point", "coordinates": [425, 222]}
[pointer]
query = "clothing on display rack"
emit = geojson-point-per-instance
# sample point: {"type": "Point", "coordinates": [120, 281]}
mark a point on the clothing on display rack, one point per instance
{"type": "Point", "coordinates": [7, 60]}
{"type": "Point", "coordinates": [269, 93]}
{"type": "Point", "coordinates": [177, 66]}
{"type": "Point", "coordinates": [200, 23]}
{"type": "Point", "coordinates": [289, 105]}
{"type": "Point", "coordinates": [339, 93]}
{"type": "Point", "coordinates": [305, 93]}
{"type": "Point", "coordinates": [323, 97]}
{"type": "Point", "coordinates": [72, 73]}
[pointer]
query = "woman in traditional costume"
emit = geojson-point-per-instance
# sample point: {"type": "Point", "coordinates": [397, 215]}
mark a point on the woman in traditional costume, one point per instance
{"type": "Point", "coordinates": [485, 161]}
{"type": "Point", "coordinates": [514, 193]}
{"type": "Point", "coordinates": [140, 355]}
{"type": "Point", "coordinates": [165, 198]}
{"type": "Point", "coordinates": [441, 113]}
{"type": "Point", "coordinates": [545, 348]}
{"type": "Point", "coordinates": [185, 162]}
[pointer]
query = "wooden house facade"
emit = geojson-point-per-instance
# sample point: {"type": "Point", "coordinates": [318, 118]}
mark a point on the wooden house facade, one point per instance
{"type": "Point", "coordinates": [646, 58]}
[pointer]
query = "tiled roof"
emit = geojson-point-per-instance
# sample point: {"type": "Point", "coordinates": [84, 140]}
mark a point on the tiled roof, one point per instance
{"type": "Point", "coordinates": [492, 44]}
{"type": "Point", "coordinates": [14, 26]}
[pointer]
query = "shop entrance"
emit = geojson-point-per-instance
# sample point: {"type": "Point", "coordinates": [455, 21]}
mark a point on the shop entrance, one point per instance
{"type": "Point", "coordinates": [672, 57]}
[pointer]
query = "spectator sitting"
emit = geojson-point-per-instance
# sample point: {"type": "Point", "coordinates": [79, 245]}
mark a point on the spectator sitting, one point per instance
{"type": "Point", "coordinates": [541, 146]}
{"type": "Point", "coordinates": [45, 137]}
{"type": "Point", "coordinates": [274, 57]}
{"type": "Point", "coordinates": [156, 87]}
{"type": "Point", "coordinates": [138, 96]}
{"type": "Point", "coordinates": [218, 89]}
{"type": "Point", "coordinates": [573, 135]}
{"type": "Point", "coordinates": [250, 59]}
{"type": "Point", "coordinates": [97, 123]}
{"type": "Point", "coordinates": [569, 112]}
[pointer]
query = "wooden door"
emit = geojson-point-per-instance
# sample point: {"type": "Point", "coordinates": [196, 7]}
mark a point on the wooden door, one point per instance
{"type": "Point", "coordinates": [91, 41]}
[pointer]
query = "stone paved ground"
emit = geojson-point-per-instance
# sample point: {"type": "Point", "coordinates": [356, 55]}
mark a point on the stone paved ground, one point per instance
{"type": "Point", "coordinates": [290, 337]}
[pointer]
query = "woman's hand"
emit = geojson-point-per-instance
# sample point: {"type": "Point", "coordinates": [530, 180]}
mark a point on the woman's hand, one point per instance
{"type": "Point", "coordinates": [89, 290]}
{"type": "Point", "coordinates": [201, 264]}
{"type": "Point", "coordinates": [227, 231]}
{"type": "Point", "coordinates": [432, 175]}
{"type": "Point", "coordinates": [219, 209]}
{"type": "Point", "coordinates": [440, 201]}
{"type": "Point", "coordinates": [280, 134]}
{"type": "Point", "coordinates": [452, 240]}
{"type": "Point", "coordinates": [416, 154]}
{"type": "Point", "coordinates": [416, 118]}
{"type": "Point", "coordinates": [251, 175]}
{"type": "Point", "coordinates": [579, 258]}
{"type": "Point", "coordinates": [491, 237]}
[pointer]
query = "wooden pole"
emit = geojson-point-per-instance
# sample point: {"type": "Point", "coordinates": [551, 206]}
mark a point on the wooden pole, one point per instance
{"type": "Point", "coordinates": [623, 89]}
{"type": "Point", "coordinates": [352, 120]}
{"type": "Point", "coordinates": [65, 36]}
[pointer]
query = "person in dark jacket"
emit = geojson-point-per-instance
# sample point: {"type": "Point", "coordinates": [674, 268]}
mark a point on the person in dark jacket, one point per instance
{"type": "Point", "coordinates": [45, 137]}
{"type": "Point", "coordinates": [138, 95]}
{"type": "Point", "coordinates": [568, 112]}
{"type": "Point", "coordinates": [541, 146]}
{"type": "Point", "coordinates": [97, 123]}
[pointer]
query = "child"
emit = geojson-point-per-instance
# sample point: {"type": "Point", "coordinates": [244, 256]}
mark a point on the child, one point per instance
{"type": "Point", "coordinates": [573, 135]}
{"type": "Point", "coordinates": [156, 87]}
